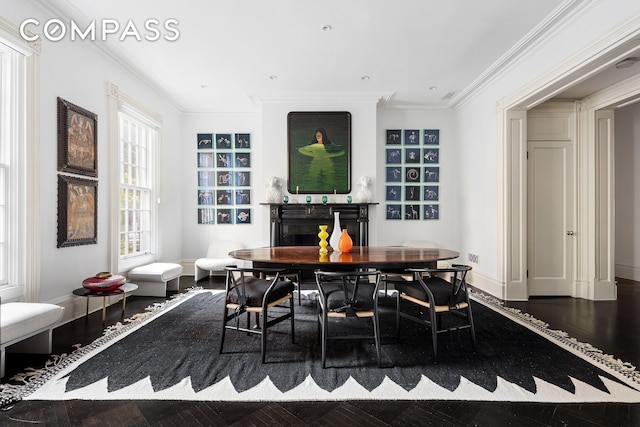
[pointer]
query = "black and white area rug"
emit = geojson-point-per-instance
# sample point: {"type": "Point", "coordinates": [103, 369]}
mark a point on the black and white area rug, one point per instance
{"type": "Point", "coordinates": [171, 353]}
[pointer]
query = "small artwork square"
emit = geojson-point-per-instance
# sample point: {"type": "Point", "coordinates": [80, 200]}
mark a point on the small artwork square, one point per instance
{"type": "Point", "coordinates": [243, 197]}
{"type": "Point", "coordinates": [431, 136]}
{"type": "Point", "coordinates": [205, 179]}
{"type": "Point", "coordinates": [431, 192]}
{"type": "Point", "coordinates": [394, 192]}
{"type": "Point", "coordinates": [223, 160]}
{"type": "Point", "coordinates": [411, 137]}
{"type": "Point", "coordinates": [223, 141]}
{"type": "Point", "coordinates": [394, 137]}
{"type": "Point", "coordinates": [412, 193]}
{"type": "Point", "coordinates": [205, 197]}
{"type": "Point", "coordinates": [224, 216]}
{"type": "Point", "coordinates": [394, 211]}
{"type": "Point", "coordinates": [432, 174]}
{"type": "Point", "coordinates": [206, 216]}
{"type": "Point", "coordinates": [205, 141]}
{"type": "Point", "coordinates": [431, 212]}
{"type": "Point", "coordinates": [223, 197]}
{"type": "Point", "coordinates": [431, 155]}
{"type": "Point", "coordinates": [412, 155]}
{"type": "Point", "coordinates": [394, 156]}
{"type": "Point", "coordinates": [224, 178]}
{"type": "Point", "coordinates": [243, 216]}
{"type": "Point", "coordinates": [243, 140]}
{"type": "Point", "coordinates": [243, 160]}
{"type": "Point", "coordinates": [412, 174]}
{"type": "Point", "coordinates": [394, 174]}
{"type": "Point", "coordinates": [411, 212]}
{"type": "Point", "coordinates": [243, 179]}
{"type": "Point", "coordinates": [205, 160]}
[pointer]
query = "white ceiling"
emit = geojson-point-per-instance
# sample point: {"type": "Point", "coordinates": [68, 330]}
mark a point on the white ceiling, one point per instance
{"type": "Point", "coordinates": [232, 54]}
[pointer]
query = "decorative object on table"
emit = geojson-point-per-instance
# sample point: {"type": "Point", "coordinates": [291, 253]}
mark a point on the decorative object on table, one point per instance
{"type": "Point", "coordinates": [308, 199]}
{"type": "Point", "coordinates": [103, 281]}
{"type": "Point", "coordinates": [285, 199]}
{"type": "Point", "coordinates": [345, 244]}
{"type": "Point", "coordinates": [273, 185]}
{"type": "Point", "coordinates": [364, 194]}
{"type": "Point", "coordinates": [77, 139]}
{"type": "Point", "coordinates": [319, 151]}
{"type": "Point", "coordinates": [349, 199]}
{"type": "Point", "coordinates": [335, 233]}
{"type": "Point", "coordinates": [323, 239]}
{"type": "Point", "coordinates": [77, 211]}
{"type": "Point", "coordinates": [324, 200]}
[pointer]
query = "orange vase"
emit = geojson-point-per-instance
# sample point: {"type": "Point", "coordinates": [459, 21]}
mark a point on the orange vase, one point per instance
{"type": "Point", "coordinates": [345, 243]}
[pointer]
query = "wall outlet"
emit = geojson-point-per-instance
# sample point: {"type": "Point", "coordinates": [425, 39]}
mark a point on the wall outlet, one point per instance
{"type": "Point", "coordinates": [474, 258]}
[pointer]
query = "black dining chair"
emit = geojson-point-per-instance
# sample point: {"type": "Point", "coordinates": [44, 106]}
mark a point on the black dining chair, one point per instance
{"type": "Point", "coordinates": [247, 291]}
{"type": "Point", "coordinates": [345, 294]}
{"type": "Point", "coordinates": [431, 294]}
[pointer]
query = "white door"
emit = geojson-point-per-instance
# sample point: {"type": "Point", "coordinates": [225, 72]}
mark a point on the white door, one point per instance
{"type": "Point", "coordinates": [550, 217]}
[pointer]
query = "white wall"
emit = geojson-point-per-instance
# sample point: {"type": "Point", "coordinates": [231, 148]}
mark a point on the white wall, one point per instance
{"type": "Point", "coordinates": [477, 124]}
{"type": "Point", "coordinates": [445, 231]}
{"type": "Point", "coordinates": [196, 237]}
{"type": "Point", "coordinates": [627, 176]}
{"type": "Point", "coordinates": [79, 73]}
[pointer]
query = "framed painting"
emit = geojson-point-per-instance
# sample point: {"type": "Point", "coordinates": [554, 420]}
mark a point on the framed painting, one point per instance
{"type": "Point", "coordinates": [77, 139]}
{"type": "Point", "coordinates": [77, 211]}
{"type": "Point", "coordinates": [319, 152]}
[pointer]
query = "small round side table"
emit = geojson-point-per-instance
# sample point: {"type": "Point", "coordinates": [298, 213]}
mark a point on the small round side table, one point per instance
{"type": "Point", "coordinates": [123, 290]}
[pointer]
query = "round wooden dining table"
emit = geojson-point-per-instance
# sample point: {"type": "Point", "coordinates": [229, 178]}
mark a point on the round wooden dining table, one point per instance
{"type": "Point", "coordinates": [309, 257]}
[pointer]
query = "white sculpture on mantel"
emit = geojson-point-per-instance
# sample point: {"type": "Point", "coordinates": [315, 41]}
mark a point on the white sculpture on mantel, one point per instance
{"type": "Point", "coordinates": [364, 193]}
{"type": "Point", "coordinates": [273, 185]}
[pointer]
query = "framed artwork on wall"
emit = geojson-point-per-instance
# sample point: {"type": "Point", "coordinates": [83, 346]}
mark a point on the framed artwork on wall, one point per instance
{"type": "Point", "coordinates": [205, 141]}
{"type": "Point", "coordinates": [319, 152]}
{"type": "Point", "coordinates": [77, 211]}
{"type": "Point", "coordinates": [77, 139]}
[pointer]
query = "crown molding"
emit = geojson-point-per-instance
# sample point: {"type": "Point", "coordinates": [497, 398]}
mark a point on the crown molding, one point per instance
{"type": "Point", "coordinates": [554, 22]}
{"type": "Point", "coordinates": [64, 9]}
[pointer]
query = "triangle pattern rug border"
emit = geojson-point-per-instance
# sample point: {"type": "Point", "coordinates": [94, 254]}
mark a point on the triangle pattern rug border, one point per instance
{"type": "Point", "coordinates": [45, 383]}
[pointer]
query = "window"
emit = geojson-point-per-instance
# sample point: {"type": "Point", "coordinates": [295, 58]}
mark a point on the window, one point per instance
{"type": "Point", "coordinates": [136, 234]}
{"type": "Point", "coordinates": [13, 187]}
{"type": "Point", "coordinates": [136, 186]}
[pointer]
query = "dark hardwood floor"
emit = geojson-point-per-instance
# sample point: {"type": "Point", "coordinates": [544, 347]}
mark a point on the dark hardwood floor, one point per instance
{"type": "Point", "coordinates": [608, 325]}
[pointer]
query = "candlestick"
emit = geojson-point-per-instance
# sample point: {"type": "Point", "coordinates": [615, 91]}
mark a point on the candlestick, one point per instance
{"type": "Point", "coordinates": [297, 194]}
{"type": "Point", "coordinates": [335, 197]}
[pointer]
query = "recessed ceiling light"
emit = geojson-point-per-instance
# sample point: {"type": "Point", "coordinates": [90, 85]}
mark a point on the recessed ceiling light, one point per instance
{"type": "Point", "coordinates": [327, 28]}
{"type": "Point", "coordinates": [204, 86]}
{"type": "Point", "coordinates": [365, 78]}
{"type": "Point", "coordinates": [273, 77]}
{"type": "Point", "coordinates": [433, 87]}
{"type": "Point", "coordinates": [626, 63]}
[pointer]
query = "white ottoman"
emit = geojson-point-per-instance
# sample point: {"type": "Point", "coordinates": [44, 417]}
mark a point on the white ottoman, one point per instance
{"type": "Point", "coordinates": [155, 279]}
{"type": "Point", "coordinates": [27, 327]}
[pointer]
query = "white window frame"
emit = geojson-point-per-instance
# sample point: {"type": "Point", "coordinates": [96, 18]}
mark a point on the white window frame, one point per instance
{"type": "Point", "coordinates": [20, 139]}
{"type": "Point", "coordinates": [122, 104]}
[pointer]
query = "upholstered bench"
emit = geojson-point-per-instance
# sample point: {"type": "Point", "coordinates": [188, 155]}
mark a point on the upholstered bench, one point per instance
{"type": "Point", "coordinates": [27, 327]}
{"type": "Point", "coordinates": [155, 279]}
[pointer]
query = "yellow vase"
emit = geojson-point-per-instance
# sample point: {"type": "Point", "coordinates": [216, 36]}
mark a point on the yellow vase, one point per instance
{"type": "Point", "coordinates": [323, 239]}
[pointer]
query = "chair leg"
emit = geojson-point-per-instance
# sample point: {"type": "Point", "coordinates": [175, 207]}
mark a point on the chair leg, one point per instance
{"type": "Point", "coordinates": [376, 335]}
{"type": "Point", "coordinates": [324, 340]}
{"type": "Point", "coordinates": [434, 334]}
{"type": "Point", "coordinates": [472, 327]}
{"type": "Point", "coordinates": [224, 328]}
{"type": "Point", "coordinates": [398, 303]}
{"type": "Point", "coordinates": [263, 335]}
{"type": "Point", "coordinates": [293, 335]}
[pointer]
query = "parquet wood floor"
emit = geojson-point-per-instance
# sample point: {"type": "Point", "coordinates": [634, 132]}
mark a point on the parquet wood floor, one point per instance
{"type": "Point", "coordinates": [609, 325]}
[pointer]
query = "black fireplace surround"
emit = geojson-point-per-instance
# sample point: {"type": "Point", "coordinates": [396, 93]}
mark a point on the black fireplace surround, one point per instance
{"type": "Point", "coordinates": [297, 224]}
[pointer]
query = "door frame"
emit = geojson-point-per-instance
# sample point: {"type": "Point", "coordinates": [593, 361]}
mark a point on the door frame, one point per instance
{"type": "Point", "coordinates": [594, 261]}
